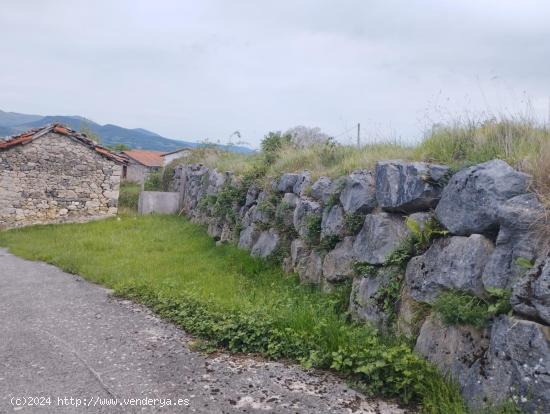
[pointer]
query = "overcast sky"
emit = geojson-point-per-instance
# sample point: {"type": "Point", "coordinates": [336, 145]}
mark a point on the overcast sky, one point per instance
{"type": "Point", "coordinates": [203, 69]}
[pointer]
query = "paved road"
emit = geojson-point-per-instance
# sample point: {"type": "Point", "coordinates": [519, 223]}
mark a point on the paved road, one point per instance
{"type": "Point", "coordinates": [61, 336]}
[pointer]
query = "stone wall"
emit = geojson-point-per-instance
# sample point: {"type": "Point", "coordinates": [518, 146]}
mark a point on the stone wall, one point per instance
{"type": "Point", "coordinates": [137, 173]}
{"type": "Point", "coordinates": [55, 179]}
{"type": "Point", "coordinates": [484, 224]}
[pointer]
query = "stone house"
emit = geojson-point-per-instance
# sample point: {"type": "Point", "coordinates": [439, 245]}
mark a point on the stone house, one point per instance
{"type": "Point", "coordinates": [54, 174]}
{"type": "Point", "coordinates": [140, 164]}
{"type": "Point", "coordinates": [168, 157]}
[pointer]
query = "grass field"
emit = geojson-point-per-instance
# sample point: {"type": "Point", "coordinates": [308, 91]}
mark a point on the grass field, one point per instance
{"type": "Point", "coordinates": [234, 301]}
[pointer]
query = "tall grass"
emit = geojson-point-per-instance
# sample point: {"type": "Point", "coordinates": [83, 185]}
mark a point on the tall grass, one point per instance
{"type": "Point", "coordinates": [335, 160]}
{"type": "Point", "coordinates": [128, 197]}
{"type": "Point", "coordinates": [520, 141]}
{"type": "Point", "coordinates": [214, 157]}
{"type": "Point", "coordinates": [234, 301]}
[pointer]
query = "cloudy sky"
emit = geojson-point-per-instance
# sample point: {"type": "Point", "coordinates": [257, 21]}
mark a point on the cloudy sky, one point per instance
{"type": "Point", "coordinates": [203, 69]}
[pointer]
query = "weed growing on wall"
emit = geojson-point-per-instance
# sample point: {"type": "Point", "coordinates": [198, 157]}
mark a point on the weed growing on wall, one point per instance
{"type": "Point", "coordinates": [313, 229]}
{"type": "Point", "coordinates": [328, 243]}
{"type": "Point", "coordinates": [462, 308]}
{"type": "Point", "coordinates": [353, 222]}
{"type": "Point", "coordinates": [387, 297]}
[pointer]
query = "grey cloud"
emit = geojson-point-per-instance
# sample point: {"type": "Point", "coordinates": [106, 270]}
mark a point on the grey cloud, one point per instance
{"type": "Point", "coordinates": [204, 69]}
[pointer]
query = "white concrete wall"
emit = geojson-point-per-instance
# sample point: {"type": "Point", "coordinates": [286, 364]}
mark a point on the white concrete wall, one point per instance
{"type": "Point", "coordinates": [158, 202]}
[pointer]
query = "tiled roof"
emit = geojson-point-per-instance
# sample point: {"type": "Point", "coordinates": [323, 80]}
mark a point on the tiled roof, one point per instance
{"type": "Point", "coordinates": [33, 134]}
{"type": "Point", "coordinates": [147, 158]}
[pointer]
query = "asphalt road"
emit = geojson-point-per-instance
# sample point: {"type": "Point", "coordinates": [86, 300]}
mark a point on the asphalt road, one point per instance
{"type": "Point", "coordinates": [68, 346]}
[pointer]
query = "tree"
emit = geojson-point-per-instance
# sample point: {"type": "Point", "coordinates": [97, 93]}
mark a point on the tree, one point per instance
{"type": "Point", "coordinates": [303, 136]}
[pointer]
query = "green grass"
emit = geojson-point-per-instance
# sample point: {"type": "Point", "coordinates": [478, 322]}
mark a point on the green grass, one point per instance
{"type": "Point", "coordinates": [128, 197]}
{"type": "Point", "coordinates": [234, 301]}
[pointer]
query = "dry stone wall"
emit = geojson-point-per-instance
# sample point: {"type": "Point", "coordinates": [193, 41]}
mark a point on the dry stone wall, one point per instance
{"type": "Point", "coordinates": [355, 229]}
{"type": "Point", "coordinates": [54, 179]}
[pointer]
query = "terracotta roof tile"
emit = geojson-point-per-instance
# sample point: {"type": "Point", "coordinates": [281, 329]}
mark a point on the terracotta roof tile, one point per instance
{"type": "Point", "coordinates": [147, 158]}
{"type": "Point", "coordinates": [33, 134]}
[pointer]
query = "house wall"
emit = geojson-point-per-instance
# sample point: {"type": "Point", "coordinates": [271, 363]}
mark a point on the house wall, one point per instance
{"type": "Point", "coordinates": [171, 157]}
{"type": "Point", "coordinates": [55, 179]}
{"type": "Point", "coordinates": [137, 172]}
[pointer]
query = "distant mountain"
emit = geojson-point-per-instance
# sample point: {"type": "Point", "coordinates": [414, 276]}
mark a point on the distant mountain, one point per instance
{"type": "Point", "coordinates": [8, 119]}
{"type": "Point", "coordinates": [12, 123]}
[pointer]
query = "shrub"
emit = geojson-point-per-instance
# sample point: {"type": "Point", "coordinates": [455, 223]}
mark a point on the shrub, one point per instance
{"type": "Point", "coordinates": [153, 182]}
{"type": "Point", "coordinates": [272, 143]}
{"type": "Point", "coordinates": [168, 176]}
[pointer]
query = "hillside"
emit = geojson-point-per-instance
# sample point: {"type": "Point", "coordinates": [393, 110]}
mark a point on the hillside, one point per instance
{"type": "Point", "coordinates": [12, 123]}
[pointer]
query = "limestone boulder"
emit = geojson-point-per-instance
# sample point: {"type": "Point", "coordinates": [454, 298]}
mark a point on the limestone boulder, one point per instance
{"type": "Point", "coordinates": [216, 181]}
{"type": "Point", "coordinates": [380, 235]}
{"type": "Point", "coordinates": [338, 263]}
{"type": "Point", "coordinates": [251, 195]}
{"type": "Point", "coordinates": [359, 192]}
{"type": "Point", "coordinates": [303, 183]}
{"type": "Point", "coordinates": [226, 234]}
{"type": "Point", "coordinates": [409, 186]}
{"type": "Point", "coordinates": [298, 251]}
{"type": "Point", "coordinates": [367, 297]}
{"type": "Point", "coordinates": [470, 201]}
{"type": "Point", "coordinates": [332, 223]}
{"type": "Point", "coordinates": [215, 228]}
{"type": "Point", "coordinates": [285, 210]}
{"type": "Point", "coordinates": [450, 263]}
{"type": "Point", "coordinates": [290, 199]}
{"type": "Point", "coordinates": [310, 268]}
{"type": "Point", "coordinates": [287, 181]}
{"type": "Point", "coordinates": [305, 208]}
{"type": "Point", "coordinates": [531, 294]}
{"type": "Point", "coordinates": [322, 189]}
{"type": "Point", "coordinates": [410, 315]}
{"type": "Point", "coordinates": [458, 351]}
{"type": "Point", "coordinates": [248, 237]}
{"type": "Point", "coordinates": [267, 244]}
{"type": "Point", "coordinates": [194, 187]}
{"type": "Point", "coordinates": [259, 215]}
{"type": "Point", "coordinates": [518, 238]}
{"type": "Point", "coordinates": [517, 366]}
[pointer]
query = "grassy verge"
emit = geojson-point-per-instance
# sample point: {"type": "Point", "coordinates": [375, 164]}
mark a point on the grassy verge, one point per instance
{"type": "Point", "coordinates": [234, 301]}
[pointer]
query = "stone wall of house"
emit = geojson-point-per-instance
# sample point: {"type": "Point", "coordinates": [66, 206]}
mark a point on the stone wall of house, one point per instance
{"type": "Point", "coordinates": [54, 179]}
{"type": "Point", "coordinates": [137, 173]}
{"type": "Point", "coordinates": [485, 224]}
